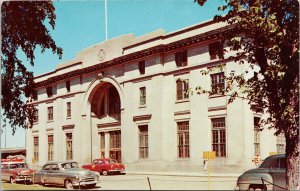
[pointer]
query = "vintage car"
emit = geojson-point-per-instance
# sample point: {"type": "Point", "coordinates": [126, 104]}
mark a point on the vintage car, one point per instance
{"type": "Point", "coordinates": [16, 172]}
{"type": "Point", "coordinates": [269, 176]}
{"type": "Point", "coordinates": [67, 174]}
{"type": "Point", "coordinates": [105, 166]}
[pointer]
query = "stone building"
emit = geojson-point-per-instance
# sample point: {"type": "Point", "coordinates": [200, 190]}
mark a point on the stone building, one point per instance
{"type": "Point", "coordinates": [127, 98]}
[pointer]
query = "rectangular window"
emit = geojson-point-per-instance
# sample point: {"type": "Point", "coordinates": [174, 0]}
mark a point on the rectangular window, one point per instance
{"type": "Point", "coordinates": [143, 96]}
{"type": "Point", "coordinates": [68, 109]}
{"type": "Point", "coordinates": [219, 136]}
{"type": "Point", "coordinates": [68, 86]}
{"type": "Point", "coordinates": [280, 143]}
{"type": "Point", "coordinates": [181, 58]}
{"type": "Point", "coordinates": [50, 148]}
{"type": "Point", "coordinates": [143, 136]}
{"type": "Point", "coordinates": [34, 95]}
{"type": "Point", "coordinates": [142, 67]}
{"type": "Point", "coordinates": [36, 148]}
{"type": "Point", "coordinates": [49, 91]}
{"type": "Point", "coordinates": [256, 137]}
{"type": "Point", "coordinates": [182, 89]}
{"type": "Point", "coordinates": [216, 50]}
{"type": "Point", "coordinates": [69, 146]}
{"type": "Point", "coordinates": [36, 116]}
{"type": "Point", "coordinates": [50, 113]}
{"type": "Point", "coordinates": [217, 83]}
{"type": "Point", "coordinates": [183, 139]}
{"type": "Point", "coordinates": [115, 145]}
{"type": "Point", "coordinates": [102, 146]}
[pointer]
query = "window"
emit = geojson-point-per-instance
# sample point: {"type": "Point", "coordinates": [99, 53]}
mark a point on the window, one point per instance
{"type": "Point", "coordinates": [181, 58]}
{"type": "Point", "coordinates": [36, 116]}
{"type": "Point", "coordinates": [36, 148]}
{"type": "Point", "coordinates": [182, 89]}
{"type": "Point", "coordinates": [183, 139]}
{"type": "Point", "coordinates": [280, 143]}
{"type": "Point", "coordinates": [115, 145]}
{"type": "Point", "coordinates": [69, 146]}
{"type": "Point", "coordinates": [68, 86]}
{"type": "Point", "coordinates": [256, 137]}
{"type": "Point", "coordinates": [143, 96]}
{"type": "Point", "coordinates": [219, 136]}
{"type": "Point", "coordinates": [142, 67]}
{"type": "Point", "coordinates": [49, 91]}
{"type": "Point", "coordinates": [50, 148]}
{"type": "Point", "coordinates": [216, 50]}
{"type": "Point", "coordinates": [102, 146]}
{"type": "Point", "coordinates": [217, 83]}
{"type": "Point", "coordinates": [143, 134]}
{"type": "Point", "coordinates": [50, 113]}
{"type": "Point", "coordinates": [68, 109]}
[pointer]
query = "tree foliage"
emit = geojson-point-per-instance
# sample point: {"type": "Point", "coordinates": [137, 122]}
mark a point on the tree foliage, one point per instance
{"type": "Point", "coordinates": [22, 29]}
{"type": "Point", "coordinates": [266, 34]}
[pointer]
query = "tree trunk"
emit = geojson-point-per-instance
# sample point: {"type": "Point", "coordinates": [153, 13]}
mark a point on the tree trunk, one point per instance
{"type": "Point", "coordinates": [292, 174]}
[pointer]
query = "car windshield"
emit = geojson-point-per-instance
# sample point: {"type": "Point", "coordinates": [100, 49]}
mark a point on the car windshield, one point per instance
{"type": "Point", "coordinates": [18, 165]}
{"type": "Point", "coordinates": [69, 165]}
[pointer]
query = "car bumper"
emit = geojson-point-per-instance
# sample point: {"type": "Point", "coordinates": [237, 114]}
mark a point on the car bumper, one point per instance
{"type": "Point", "coordinates": [85, 183]}
{"type": "Point", "coordinates": [23, 178]}
{"type": "Point", "coordinates": [117, 170]}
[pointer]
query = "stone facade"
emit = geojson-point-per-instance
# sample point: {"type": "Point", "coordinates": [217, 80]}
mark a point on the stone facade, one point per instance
{"type": "Point", "coordinates": [126, 98]}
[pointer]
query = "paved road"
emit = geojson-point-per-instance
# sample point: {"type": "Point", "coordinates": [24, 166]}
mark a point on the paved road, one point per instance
{"type": "Point", "coordinates": [161, 182]}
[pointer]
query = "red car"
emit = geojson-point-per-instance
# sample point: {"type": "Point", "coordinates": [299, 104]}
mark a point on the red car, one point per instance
{"type": "Point", "coordinates": [105, 166]}
{"type": "Point", "coordinates": [16, 172]}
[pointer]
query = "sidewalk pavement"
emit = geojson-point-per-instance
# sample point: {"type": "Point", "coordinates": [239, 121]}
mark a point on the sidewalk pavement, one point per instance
{"type": "Point", "coordinates": [188, 174]}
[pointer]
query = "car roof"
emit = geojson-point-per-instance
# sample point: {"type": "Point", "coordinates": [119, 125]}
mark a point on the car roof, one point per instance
{"type": "Point", "coordinates": [13, 162]}
{"type": "Point", "coordinates": [58, 162]}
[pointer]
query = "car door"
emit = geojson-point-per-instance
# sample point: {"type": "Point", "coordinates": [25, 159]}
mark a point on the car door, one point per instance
{"type": "Point", "coordinates": [54, 174]}
{"type": "Point", "coordinates": [278, 171]}
{"type": "Point", "coordinates": [45, 173]}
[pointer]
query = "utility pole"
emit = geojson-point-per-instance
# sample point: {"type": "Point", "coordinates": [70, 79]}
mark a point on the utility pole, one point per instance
{"type": "Point", "coordinates": [105, 11]}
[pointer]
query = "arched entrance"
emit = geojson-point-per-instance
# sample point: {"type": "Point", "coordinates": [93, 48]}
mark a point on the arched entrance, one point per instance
{"type": "Point", "coordinates": [106, 114]}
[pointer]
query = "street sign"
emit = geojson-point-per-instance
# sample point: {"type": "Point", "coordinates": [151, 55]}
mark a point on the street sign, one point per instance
{"type": "Point", "coordinates": [209, 155]}
{"type": "Point", "coordinates": [33, 160]}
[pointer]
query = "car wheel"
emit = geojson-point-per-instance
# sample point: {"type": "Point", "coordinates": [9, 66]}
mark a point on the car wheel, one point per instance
{"type": "Point", "coordinates": [68, 184]}
{"type": "Point", "coordinates": [12, 180]}
{"type": "Point", "coordinates": [91, 186]}
{"type": "Point", "coordinates": [104, 172]}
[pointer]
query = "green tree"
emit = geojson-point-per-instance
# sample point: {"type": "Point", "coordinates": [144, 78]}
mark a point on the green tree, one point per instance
{"type": "Point", "coordinates": [22, 29]}
{"type": "Point", "coordinates": [266, 34]}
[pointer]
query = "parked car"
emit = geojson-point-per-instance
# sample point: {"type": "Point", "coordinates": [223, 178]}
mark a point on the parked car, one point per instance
{"type": "Point", "coordinates": [272, 171]}
{"type": "Point", "coordinates": [16, 172]}
{"type": "Point", "coordinates": [66, 174]}
{"type": "Point", "coordinates": [105, 166]}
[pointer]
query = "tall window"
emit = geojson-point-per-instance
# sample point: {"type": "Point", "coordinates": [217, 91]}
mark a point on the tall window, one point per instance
{"type": "Point", "coordinates": [50, 113]}
{"type": "Point", "coordinates": [181, 58]}
{"type": "Point", "coordinates": [143, 134]}
{"type": "Point", "coordinates": [50, 148]}
{"type": "Point", "coordinates": [49, 91]}
{"type": "Point", "coordinates": [217, 83]}
{"type": "Point", "coordinates": [183, 139]}
{"type": "Point", "coordinates": [102, 147]}
{"type": "Point", "coordinates": [143, 96]}
{"type": "Point", "coordinates": [219, 136]}
{"type": "Point", "coordinates": [216, 50]}
{"type": "Point", "coordinates": [68, 86]}
{"type": "Point", "coordinates": [34, 95]}
{"type": "Point", "coordinates": [68, 109]}
{"type": "Point", "coordinates": [182, 89]}
{"type": "Point", "coordinates": [115, 145]}
{"type": "Point", "coordinates": [280, 143]}
{"type": "Point", "coordinates": [69, 146]}
{"type": "Point", "coordinates": [36, 116]}
{"type": "Point", "coordinates": [142, 67]}
{"type": "Point", "coordinates": [256, 137]}
{"type": "Point", "coordinates": [36, 148]}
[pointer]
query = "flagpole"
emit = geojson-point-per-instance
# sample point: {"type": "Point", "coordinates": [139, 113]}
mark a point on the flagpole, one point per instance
{"type": "Point", "coordinates": [105, 19]}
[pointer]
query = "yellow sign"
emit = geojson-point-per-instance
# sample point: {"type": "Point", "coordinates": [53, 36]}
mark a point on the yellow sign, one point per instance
{"type": "Point", "coordinates": [33, 160]}
{"type": "Point", "coordinates": [209, 155]}
{"type": "Point", "coordinates": [272, 153]}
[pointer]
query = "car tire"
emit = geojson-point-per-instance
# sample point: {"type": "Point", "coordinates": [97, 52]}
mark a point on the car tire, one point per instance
{"type": "Point", "coordinates": [91, 186]}
{"type": "Point", "coordinates": [12, 180]}
{"type": "Point", "coordinates": [104, 172]}
{"type": "Point", "coordinates": [68, 184]}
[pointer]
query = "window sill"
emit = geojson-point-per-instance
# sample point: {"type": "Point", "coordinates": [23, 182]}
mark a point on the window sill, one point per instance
{"type": "Point", "coordinates": [68, 117]}
{"type": "Point", "coordinates": [49, 121]}
{"type": "Point", "coordinates": [182, 100]}
{"type": "Point", "coordinates": [142, 106]}
{"type": "Point", "coordinates": [215, 96]}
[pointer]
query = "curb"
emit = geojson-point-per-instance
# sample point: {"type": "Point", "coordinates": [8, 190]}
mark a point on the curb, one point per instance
{"type": "Point", "coordinates": [183, 174]}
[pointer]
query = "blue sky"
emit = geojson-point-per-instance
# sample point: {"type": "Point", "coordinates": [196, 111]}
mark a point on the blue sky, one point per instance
{"type": "Point", "coordinates": [80, 24]}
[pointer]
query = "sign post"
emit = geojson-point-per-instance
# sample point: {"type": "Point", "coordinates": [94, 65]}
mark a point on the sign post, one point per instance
{"type": "Point", "coordinates": [208, 155]}
{"type": "Point", "coordinates": [33, 161]}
